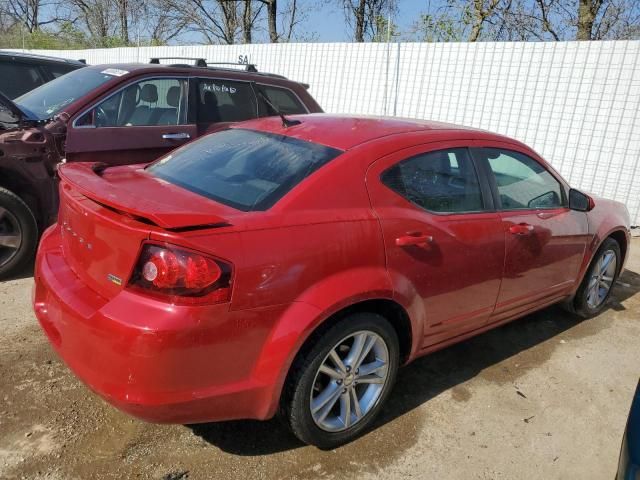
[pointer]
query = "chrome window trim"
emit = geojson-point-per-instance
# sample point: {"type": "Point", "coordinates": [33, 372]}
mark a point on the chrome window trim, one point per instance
{"type": "Point", "coordinates": [128, 84]}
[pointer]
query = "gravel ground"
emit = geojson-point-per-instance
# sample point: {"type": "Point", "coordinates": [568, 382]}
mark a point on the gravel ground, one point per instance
{"type": "Point", "coordinates": [546, 396]}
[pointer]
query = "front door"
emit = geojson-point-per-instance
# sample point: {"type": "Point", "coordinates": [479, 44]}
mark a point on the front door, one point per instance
{"type": "Point", "coordinates": [444, 244]}
{"type": "Point", "coordinates": [544, 240]}
{"type": "Point", "coordinates": [134, 124]}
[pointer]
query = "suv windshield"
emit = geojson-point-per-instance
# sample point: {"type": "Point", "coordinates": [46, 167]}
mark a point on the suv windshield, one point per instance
{"type": "Point", "coordinates": [49, 99]}
{"type": "Point", "coordinates": [243, 169]}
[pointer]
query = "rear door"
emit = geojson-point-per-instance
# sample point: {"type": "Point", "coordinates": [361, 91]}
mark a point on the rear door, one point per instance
{"type": "Point", "coordinates": [136, 123]}
{"type": "Point", "coordinates": [545, 240]}
{"type": "Point", "coordinates": [444, 241]}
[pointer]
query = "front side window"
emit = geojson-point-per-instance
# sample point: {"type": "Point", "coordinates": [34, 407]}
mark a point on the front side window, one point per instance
{"type": "Point", "coordinates": [222, 100]}
{"type": "Point", "coordinates": [243, 169]}
{"type": "Point", "coordinates": [444, 181]}
{"type": "Point", "coordinates": [284, 100]}
{"type": "Point", "coordinates": [521, 181]}
{"type": "Point", "coordinates": [158, 101]}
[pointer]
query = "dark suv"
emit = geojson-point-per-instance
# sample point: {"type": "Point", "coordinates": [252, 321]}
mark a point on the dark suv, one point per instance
{"type": "Point", "coordinates": [21, 72]}
{"type": "Point", "coordinates": [115, 115]}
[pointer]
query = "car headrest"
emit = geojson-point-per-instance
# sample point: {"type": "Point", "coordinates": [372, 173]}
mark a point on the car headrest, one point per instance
{"type": "Point", "coordinates": [149, 93]}
{"type": "Point", "coordinates": [132, 95]}
{"type": "Point", "coordinates": [173, 96]}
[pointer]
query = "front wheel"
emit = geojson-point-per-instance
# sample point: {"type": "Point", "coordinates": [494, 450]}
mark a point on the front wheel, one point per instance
{"type": "Point", "coordinates": [595, 289]}
{"type": "Point", "coordinates": [337, 387]}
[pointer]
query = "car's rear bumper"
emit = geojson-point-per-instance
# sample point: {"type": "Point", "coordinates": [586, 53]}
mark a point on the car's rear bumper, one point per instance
{"type": "Point", "coordinates": [156, 361]}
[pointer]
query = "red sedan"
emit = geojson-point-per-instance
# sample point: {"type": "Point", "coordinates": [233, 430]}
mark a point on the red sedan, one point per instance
{"type": "Point", "coordinates": [293, 266]}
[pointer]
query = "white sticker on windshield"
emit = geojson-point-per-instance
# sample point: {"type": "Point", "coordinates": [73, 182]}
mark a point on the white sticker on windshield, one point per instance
{"type": "Point", "coordinates": [116, 72]}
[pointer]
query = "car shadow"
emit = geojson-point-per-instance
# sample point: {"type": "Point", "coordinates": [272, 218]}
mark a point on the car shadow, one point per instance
{"type": "Point", "coordinates": [426, 377]}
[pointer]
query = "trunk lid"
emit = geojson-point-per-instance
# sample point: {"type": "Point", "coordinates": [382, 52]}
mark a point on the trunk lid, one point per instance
{"type": "Point", "coordinates": [133, 191]}
{"type": "Point", "coordinates": [106, 217]}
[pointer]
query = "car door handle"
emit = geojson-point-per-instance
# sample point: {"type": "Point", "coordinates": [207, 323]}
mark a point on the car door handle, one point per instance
{"type": "Point", "coordinates": [521, 229]}
{"type": "Point", "coordinates": [413, 238]}
{"type": "Point", "coordinates": [176, 136]}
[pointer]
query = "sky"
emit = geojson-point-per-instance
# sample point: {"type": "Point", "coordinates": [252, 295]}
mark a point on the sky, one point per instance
{"type": "Point", "coordinates": [325, 21]}
{"type": "Point", "coordinates": [328, 21]}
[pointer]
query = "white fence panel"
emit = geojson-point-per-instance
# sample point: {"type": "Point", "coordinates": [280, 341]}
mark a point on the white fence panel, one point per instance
{"type": "Point", "coordinates": [576, 103]}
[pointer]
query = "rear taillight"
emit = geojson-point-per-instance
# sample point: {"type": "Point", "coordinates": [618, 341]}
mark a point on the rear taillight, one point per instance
{"type": "Point", "coordinates": [181, 276]}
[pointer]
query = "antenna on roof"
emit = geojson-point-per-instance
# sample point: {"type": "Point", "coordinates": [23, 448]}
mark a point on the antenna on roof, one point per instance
{"type": "Point", "coordinates": [286, 123]}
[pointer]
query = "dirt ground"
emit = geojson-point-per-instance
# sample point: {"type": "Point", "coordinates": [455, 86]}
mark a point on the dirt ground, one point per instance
{"type": "Point", "coordinates": [544, 397]}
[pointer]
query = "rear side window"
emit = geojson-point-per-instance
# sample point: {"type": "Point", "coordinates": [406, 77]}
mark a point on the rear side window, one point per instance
{"type": "Point", "coordinates": [281, 98]}
{"type": "Point", "coordinates": [444, 181]}
{"type": "Point", "coordinates": [17, 78]}
{"type": "Point", "coordinates": [243, 169]}
{"type": "Point", "coordinates": [225, 101]}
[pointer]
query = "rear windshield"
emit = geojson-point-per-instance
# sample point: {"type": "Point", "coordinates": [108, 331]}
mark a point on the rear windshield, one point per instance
{"type": "Point", "coordinates": [244, 169]}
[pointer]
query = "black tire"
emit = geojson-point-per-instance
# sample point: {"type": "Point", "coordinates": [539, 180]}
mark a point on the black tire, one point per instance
{"type": "Point", "coordinates": [580, 304]}
{"type": "Point", "coordinates": [16, 219]}
{"type": "Point", "coordinates": [295, 403]}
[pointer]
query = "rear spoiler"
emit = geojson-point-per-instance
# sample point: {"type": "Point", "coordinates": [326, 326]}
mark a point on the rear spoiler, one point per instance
{"type": "Point", "coordinates": [168, 216]}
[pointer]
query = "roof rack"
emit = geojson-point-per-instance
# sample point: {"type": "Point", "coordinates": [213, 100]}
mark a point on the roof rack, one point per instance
{"type": "Point", "coordinates": [202, 63]}
{"type": "Point", "coordinates": [199, 62]}
{"type": "Point", "coordinates": [249, 67]}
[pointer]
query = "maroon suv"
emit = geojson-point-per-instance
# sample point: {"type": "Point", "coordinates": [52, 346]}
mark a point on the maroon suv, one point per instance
{"type": "Point", "coordinates": [116, 114]}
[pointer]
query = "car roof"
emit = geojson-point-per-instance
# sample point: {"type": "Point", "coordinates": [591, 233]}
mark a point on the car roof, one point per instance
{"type": "Point", "coordinates": [42, 58]}
{"type": "Point", "coordinates": [347, 131]}
{"type": "Point", "coordinates": [138, 68]}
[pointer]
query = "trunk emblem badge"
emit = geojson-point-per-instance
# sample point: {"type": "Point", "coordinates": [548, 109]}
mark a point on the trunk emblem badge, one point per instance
{"type": "Point", "coordinates": [82, 241]}
{"type": "Point", "coordinates": [113, 279]}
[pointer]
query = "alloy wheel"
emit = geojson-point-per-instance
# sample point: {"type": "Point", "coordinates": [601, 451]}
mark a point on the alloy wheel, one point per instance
{"type": "Point", "coordinates": [350, 381]}
{"type": "Point", "coordinates": [10, 236]}
{"type": "Point", "coordinates": [601, 279]}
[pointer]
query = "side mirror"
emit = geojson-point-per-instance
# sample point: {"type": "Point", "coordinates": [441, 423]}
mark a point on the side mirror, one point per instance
{"type": "Point", "coordinates": [580, 201]}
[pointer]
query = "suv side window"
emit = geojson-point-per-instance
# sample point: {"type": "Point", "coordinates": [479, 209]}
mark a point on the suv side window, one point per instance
{"type": "Point", "coordinates": [281, 98]}
{"type": "Point", "coordinates": [444, 181]}
{"type": "Point", "coordinates": [521, 181]}
{"type": "Point", "coordinates": [220, 100]}
{"type": "Point", "coordinates": [159, 101]}
{"type": "Point", "coordinates": [17, 78]}
{"type": "Point", "coordinates": [58, 70]}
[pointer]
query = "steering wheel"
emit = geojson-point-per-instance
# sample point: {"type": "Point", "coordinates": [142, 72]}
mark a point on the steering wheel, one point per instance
{"type": "Point", "coordinates": [101, 118]}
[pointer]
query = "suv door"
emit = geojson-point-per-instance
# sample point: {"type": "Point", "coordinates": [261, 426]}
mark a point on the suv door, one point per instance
{"type": "Point", "coordinates": [444, 244]}
{"type": "Point", "coordinates": [136, 123]}
{"type": "Point", "coordinates": [545, 241]}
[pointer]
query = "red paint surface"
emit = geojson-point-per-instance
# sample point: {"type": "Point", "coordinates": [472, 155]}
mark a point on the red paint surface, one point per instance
{"type": "Point", "coordinates": [329, 243]}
